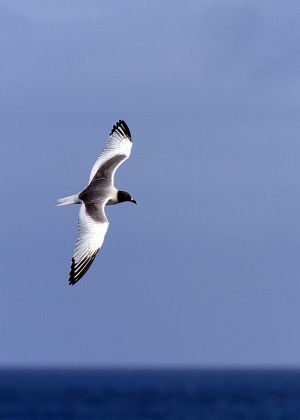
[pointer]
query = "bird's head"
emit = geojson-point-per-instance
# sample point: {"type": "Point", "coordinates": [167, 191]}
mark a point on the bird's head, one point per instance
{"type": "Point", "coordinates": [125, 196]}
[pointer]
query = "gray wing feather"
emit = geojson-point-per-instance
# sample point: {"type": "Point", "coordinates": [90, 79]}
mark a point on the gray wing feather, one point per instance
{"type": "Point", "coordinates": [119, 144]}
{"type": "Point", "coordinates": [92, 227]}
{"type": "Point", "coordinates": [108, 168]}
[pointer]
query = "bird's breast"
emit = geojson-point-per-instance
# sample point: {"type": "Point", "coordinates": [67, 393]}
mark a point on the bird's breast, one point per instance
{"type": "Point", "coordinates": [98, 190]}
{"type": "Point", "coordinates": [113, 199]}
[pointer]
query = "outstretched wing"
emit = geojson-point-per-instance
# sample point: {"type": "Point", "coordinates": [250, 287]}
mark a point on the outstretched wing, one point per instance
{"type": "Point", "coordinates": [92, 227]}
{"type": "Point", "coordinates": [117, 150]}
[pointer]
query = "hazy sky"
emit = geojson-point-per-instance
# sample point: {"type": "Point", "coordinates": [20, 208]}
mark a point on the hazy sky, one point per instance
{"type": "Point", "coordinates": [206, 271]}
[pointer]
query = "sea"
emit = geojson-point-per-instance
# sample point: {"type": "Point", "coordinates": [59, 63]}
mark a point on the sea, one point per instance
{"type": "Point", "coordinates": [221, 394]}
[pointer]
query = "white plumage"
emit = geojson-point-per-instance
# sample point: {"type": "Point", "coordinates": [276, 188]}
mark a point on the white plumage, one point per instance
{"type": "Point", "coordinates": [93, 223]}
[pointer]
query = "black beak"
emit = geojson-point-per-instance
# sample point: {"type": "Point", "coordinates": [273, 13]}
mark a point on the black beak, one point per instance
{"type": "Point", "coordinates": [134, 201]}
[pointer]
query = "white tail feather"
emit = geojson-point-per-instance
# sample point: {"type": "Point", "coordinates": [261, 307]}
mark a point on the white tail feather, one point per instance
{"type": "Point", "coordinates": [72, 199]}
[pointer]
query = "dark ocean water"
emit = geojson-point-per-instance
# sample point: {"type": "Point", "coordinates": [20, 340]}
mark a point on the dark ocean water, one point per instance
{"type": "Point", "coordinates": [149, 394]}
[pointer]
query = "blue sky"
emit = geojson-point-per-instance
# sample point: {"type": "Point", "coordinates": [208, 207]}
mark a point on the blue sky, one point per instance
{"type": "Point", "coordinates": [206, 270]}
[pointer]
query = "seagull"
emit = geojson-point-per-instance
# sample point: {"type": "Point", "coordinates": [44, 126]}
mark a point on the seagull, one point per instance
{"type": "Point", "coordinates": [100, 191]}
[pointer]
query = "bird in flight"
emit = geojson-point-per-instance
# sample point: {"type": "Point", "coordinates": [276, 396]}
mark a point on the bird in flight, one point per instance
{"type": "Point", "coordinates": [93, 223]}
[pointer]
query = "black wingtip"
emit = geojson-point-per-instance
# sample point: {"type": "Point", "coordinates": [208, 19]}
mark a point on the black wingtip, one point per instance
{"type": "Point", "coordinates": [122, 128]}
{"type": "Point", "coordinates": [83, 267]}
{"type": "Point", "coordinates": [72, 279]}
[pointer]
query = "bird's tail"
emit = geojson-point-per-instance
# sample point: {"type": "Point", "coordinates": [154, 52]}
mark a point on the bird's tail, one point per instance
{"type": "Point", "coordinates": [72, 199]}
